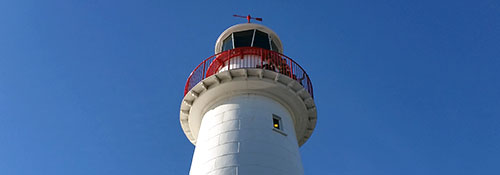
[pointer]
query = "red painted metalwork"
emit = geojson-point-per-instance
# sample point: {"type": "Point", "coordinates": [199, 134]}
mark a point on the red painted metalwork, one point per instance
{"type": "Point", "coordinates": [249, 57]}
{"type": "Point", "coordinates": [248, 18]}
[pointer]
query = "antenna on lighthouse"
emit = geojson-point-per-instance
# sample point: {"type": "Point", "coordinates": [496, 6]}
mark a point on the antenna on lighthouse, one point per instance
{"type": "Point", "coordinates": [248, 18]}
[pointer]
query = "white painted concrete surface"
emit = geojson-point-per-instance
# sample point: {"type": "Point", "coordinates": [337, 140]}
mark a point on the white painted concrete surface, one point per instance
{"type": "Point", "coordinates": [282, 89]}
{"type": "Point", "coordinates": [237, 137]}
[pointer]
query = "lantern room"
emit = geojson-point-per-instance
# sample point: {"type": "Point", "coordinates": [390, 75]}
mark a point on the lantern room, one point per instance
{"type": "Point", "coordinates": [248, 35]}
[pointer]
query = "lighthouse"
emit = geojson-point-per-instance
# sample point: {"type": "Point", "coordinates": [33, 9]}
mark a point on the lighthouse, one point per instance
{"type": "Point", "coordinates": [248, 108]}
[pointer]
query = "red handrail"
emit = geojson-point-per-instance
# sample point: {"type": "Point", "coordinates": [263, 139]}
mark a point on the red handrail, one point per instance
{"type": "Point", "coordinates": [262, 58]}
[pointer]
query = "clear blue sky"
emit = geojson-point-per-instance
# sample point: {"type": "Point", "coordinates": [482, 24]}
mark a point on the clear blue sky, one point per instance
{"type": "Point", "coordinates": [402, 87]}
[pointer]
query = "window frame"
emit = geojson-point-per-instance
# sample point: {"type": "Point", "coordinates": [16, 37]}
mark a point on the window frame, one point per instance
{"type": "Point", "coordinates": [232, 38]}
{"type": "Point", "coordinates": [253, 37]}
{"type": "Point", "coordinates": [232, 43]}
{"type": "Point", "coordinates": [269, 38]}
{"type": "Point", "coordinates": [280, 128]}
{"type": "Point", "coordinates": [261, 33]}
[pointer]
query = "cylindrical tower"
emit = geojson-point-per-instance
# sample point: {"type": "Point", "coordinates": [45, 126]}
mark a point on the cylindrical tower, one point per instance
{"type": "Point", "coordinates": [248, 108]}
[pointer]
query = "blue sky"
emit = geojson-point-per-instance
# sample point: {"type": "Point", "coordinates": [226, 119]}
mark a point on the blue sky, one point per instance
{"type": "Point", "coordinates": [402, 87]}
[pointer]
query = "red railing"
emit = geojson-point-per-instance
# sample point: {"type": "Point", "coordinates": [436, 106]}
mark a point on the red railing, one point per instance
{"type": "Point", "coordinates": [249, 57]}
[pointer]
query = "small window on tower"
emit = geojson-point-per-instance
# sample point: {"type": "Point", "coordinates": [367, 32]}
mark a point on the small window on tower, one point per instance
{"type": "Point", "coordinates": [277, 126]}
{"type": "Point", "coordinates": [276, 122]}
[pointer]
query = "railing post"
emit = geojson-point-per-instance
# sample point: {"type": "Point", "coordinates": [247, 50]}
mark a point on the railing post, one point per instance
{"type": "Point", "coordinates": [262, 59]}
{"type": "Point", "coordinates": [203, 74]}
{"type": "Point", "coordinates": [308, 85]}
{"type": "Point", "coordinates": [241, 56]}
{"type": "Point", "coordinates": [229, 60]}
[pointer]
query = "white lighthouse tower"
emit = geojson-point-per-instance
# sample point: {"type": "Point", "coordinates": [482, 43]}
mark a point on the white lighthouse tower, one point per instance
{"type": "Point", "coordinates": [248, 108]}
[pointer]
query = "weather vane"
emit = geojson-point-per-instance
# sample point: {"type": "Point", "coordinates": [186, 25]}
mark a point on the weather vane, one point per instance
{"type": "Point", "coordinates": [248, 18]}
